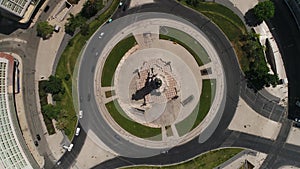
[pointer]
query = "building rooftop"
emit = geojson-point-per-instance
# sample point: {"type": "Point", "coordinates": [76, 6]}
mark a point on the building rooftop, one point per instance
{"type": "Point", "coordinates": [17, 7]}
{"type": "Point", "coordinates": [11, 152]}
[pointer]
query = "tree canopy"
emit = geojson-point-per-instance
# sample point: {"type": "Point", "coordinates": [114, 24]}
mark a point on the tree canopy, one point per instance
{"type": "Point", "coordinates": [264, 10]}
{"type": "Point", "coordinates": [258, 74]}
{"type": "Point", "coordinates": [73, 23]}
{"type": "Point", "coordinates": [54, 85]}
{"type": "Point", "coordinates": [89, 9]}
{"type": "Point", "coordinates": [51, 111]}
{"type": "Point", "coordinates": [44, 29]}
{"type": "Point", "coordinates": [194, 3]}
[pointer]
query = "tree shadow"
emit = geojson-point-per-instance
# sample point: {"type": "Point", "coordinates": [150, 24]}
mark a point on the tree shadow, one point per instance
{"type": "Point", "coordinates": [251, 19]}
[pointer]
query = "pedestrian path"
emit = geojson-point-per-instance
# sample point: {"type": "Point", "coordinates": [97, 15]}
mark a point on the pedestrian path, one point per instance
{"type": "Point", "coordinates": [240, 7]}
{"type": "Point", "coordinates": [252, 158]}
{"type": "Point", "coordinates": [46, 55]}
{"type": "Point", "coordinates": [94, 151]}
{"type": "Point", "coordinates": [136, 3]}
{"type": "Point", "coordinates": [280, 91]}
{"type": "Point", "coordinates": [19, 103]}
{"type": "Point", "coordinates": [248, 121]}
{"type": "Point", "coordinates": [294, 136]}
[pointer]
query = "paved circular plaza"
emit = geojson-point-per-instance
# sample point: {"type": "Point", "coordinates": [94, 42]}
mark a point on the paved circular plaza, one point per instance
{"type": "Point", "coordinates": [158, 85]}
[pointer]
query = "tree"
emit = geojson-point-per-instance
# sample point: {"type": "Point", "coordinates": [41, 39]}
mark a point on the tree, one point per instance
{"type": "Point", "coordinates": [73, 23]}
{"type": "Point", "coordinates": [67, 77]}
{"type": "Point", "coordinates": [264, 10]}
{"type": "Point", "coordinates": [89, 9]}
{"type": "Point", "coordinates": [73, 1]}
{"type": "Point", "coordinates": [194, 3]}
{"type": "Point", "coordinates": [61, 123]}
{"type": "Point", "coordinates": [44, 29]}
{"type": "Point", "coordinates": [54, 85]}
{"type": "Point", "coordinates": [51, 111]}
{"type": "Point", "coordinates": [84, 29]}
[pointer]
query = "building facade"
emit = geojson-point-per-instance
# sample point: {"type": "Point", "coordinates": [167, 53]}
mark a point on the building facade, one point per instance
{"type": "Point", "coordinates": [15, 7]}
{"type": "Point", "coordinates": [13, 151]}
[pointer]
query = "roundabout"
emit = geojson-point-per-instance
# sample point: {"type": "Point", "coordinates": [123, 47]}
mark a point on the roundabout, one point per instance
{"type": "Point", "coordinates": [165, 89]}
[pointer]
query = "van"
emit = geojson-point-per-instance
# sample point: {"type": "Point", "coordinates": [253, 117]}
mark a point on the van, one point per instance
{"type": "Point", "coordinates": [80, 114]}
{"type": "Point", "coordinates": [77, 131]}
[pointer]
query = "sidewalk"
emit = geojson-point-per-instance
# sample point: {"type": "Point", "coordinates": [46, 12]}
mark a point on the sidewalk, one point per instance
{"type": "Point", "coordinates": [240, 7]}
{"type": "Point", "coordinates": [241, 123]}
{"type": "Point", "coordinates": [45, 58]}
{"type": "Point", "coordinates": [22, 118]}
{"type": "Point", "coordinates": [252, 157]}
{"type": "Point", "coordinates": [248, 121]}
{"type": "Point", "coordinates": [93, 152]}
{"type": "Point", "coordinates": [280, 91]}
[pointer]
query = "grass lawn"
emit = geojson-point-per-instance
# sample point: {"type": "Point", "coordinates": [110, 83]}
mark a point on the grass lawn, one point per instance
{"type": "Point", "coordinates": [206, 99]}
{"type": "Point", "coordinates": [229, 23]}
{"type": "Point", "coordinates": [201, 110]}
{"type": "Point", "coordinates": [208, 160]}
{"type": "Point", "coordinates": [66, 66]}
{"type": "Point", "coordinates": [231, 30]}
{"type": "Point", "coordinates": [114, 58]}
{"type": "Point", "coordinates": [130, 126]}
{"type": "Point", "coordinates": [186, 41]}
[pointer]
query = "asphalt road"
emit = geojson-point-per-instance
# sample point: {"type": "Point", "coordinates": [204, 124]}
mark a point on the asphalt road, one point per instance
{"type": "Point", "coordinates": [287, 36]}
{"type": "Point", "coordinates": [93, 121]}
{"type": "Point", "coordinates": [280, 153]}
{"type": "Point", "coordinates": [92, 118]}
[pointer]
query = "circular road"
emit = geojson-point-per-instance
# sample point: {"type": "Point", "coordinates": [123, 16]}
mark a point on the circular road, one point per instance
{"type": "Point", "coordinates": [92, 119]}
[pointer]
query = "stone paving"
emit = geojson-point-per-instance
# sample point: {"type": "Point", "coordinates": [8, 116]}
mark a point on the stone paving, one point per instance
{"type": "Point", "coordinates": [136, 3]}
{"type": "Point", "coordinates": [240, 7]}
{"type": "Point", "coordinates": [248, 121]}
{"type": "Point", "coordinates": [22, 118]}
{"type": "Point", "coordinates": [253, 157]}
{"type": "Point", "coordinates": [93, 152]}
{"type": "Point", "coordinates": [294, 136]}
{"type": "Point", "coordinates": [44, 63]}
{"type": "Point", "coordinates": [187, 84]}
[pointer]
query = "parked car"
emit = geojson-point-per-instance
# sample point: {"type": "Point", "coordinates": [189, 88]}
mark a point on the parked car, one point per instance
{"type": "Point", "coordinates": [80, 114]}
{"type": "Point", "coordinates": [69, 148]}
{"type": "Point", "coordinates": [56, 28]}
{"type": "Point", "coordinates": [109, 21]}
{"type": "Point", "coordinates": [38, 137]}
{"type": "Point", "coordinates": [77, 131]}
{"type": "Point", "coordinates": [58, 163]}
{"type": "Point", "coordinates": [36, 143]}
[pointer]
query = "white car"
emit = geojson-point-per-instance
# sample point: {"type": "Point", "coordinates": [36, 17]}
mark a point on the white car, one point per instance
{"type": "Point", "coordinates": [80, 114]}
{"type": "Point", "coordinates": [58, 163]}
{"type": "Point", "coordinates": [101, 34]}
{"type": "Point", "coordinates": [69, 148]}
{"type": "Point", "coordinates": [77, 131]}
